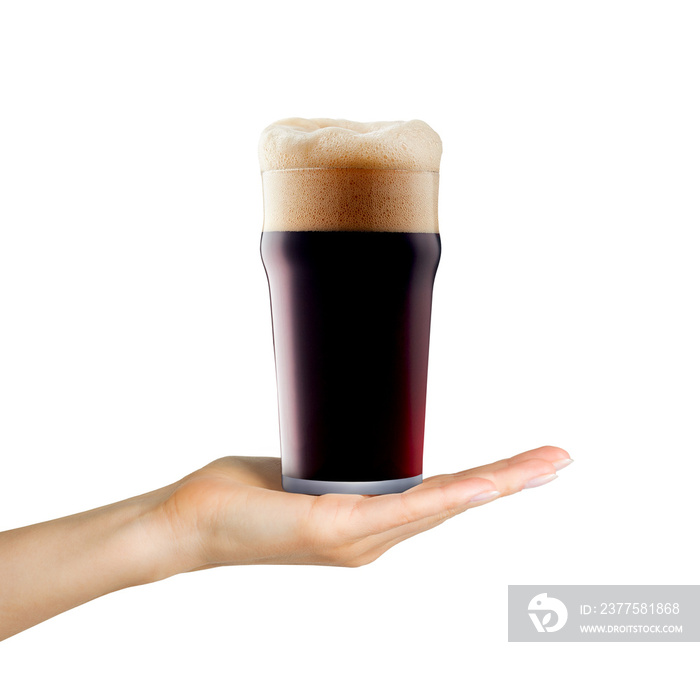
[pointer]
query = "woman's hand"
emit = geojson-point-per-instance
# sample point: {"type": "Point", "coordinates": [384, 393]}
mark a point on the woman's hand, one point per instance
{"type": "Point", "coordinates": [234, 511]}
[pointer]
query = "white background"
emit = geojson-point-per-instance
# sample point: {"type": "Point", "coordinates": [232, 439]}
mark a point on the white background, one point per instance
{"type": "Point", "coordinates": [136, 342]}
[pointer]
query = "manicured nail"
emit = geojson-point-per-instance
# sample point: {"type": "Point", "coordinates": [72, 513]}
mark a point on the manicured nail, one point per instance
{"type": "Point", "coordinates": [484, 496]}
{"type": "Point", "coordinates": [539, 481]}
{"type": "Point", "coordinates": [561, 463]}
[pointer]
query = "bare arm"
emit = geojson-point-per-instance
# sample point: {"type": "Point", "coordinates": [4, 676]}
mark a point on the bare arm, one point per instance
{"type": "Point", "coordinates": [56, 565]}
{"type": "Point", "coordinates": [233, 511]}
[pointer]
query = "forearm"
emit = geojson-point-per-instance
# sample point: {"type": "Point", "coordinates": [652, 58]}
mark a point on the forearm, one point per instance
{"type": "Point", "coordinates": [51, 567]}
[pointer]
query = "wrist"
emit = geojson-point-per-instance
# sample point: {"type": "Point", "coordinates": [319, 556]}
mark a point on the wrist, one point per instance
{"type": "Point", "coordinates": [171, 542]}
{"type": "Point", "coordinates": [158, 545]}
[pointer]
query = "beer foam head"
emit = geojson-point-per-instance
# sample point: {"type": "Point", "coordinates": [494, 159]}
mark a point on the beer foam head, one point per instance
{"type": "Point", "coordinates": [338, 143]}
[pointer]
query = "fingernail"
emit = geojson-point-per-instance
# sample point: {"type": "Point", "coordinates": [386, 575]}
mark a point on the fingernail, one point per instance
{"type": "Point", "coordinates": [484, 496]}
{"type": "Point", "coordinates": [561, 463]}
{"type": "Point", "coordinates": [539, 481]}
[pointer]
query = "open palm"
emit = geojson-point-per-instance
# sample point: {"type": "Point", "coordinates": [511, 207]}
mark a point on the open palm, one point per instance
{"type": "Point", "coordinates": [234, 511]}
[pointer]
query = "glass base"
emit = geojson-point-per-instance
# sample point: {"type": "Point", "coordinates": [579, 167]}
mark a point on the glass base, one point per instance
{"type": "Point", "coordinates": [364, 488]}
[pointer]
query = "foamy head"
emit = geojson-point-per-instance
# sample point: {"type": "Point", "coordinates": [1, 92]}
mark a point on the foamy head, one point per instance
{"type": "Point", "coordinates": [338, 175]}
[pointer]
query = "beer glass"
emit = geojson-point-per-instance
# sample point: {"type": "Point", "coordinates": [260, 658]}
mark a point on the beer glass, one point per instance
{"type": "Point", "coordinates": [351, 255]}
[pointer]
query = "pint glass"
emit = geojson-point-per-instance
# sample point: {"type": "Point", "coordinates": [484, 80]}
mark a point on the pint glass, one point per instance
{"type": "Point", "coordinates": [351, 256]}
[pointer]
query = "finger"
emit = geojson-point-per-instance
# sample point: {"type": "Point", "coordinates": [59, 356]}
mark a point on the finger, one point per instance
{"type": "Point", "coordinates": [555, 455]}
{"type": "Point", "coordinates": [439, 501]}
{"type": "Point", "coordinates": [378, 514]}
{"type": "Point", "coordinates": [375, 545]}
{"type": "Point", "coordinates": [507, 478]}
{"type": "Point", "coordinates": [380, 544]}
{"type": "Point", "coordinates": [547, 452]}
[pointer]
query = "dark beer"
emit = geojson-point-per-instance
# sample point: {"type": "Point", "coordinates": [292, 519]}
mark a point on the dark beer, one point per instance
{"type": "Point", "coordinates": [351, 324]}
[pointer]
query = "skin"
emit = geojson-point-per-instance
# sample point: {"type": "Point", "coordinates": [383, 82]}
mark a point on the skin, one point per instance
{"type": "Point", "coordinates": [233, 511]}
